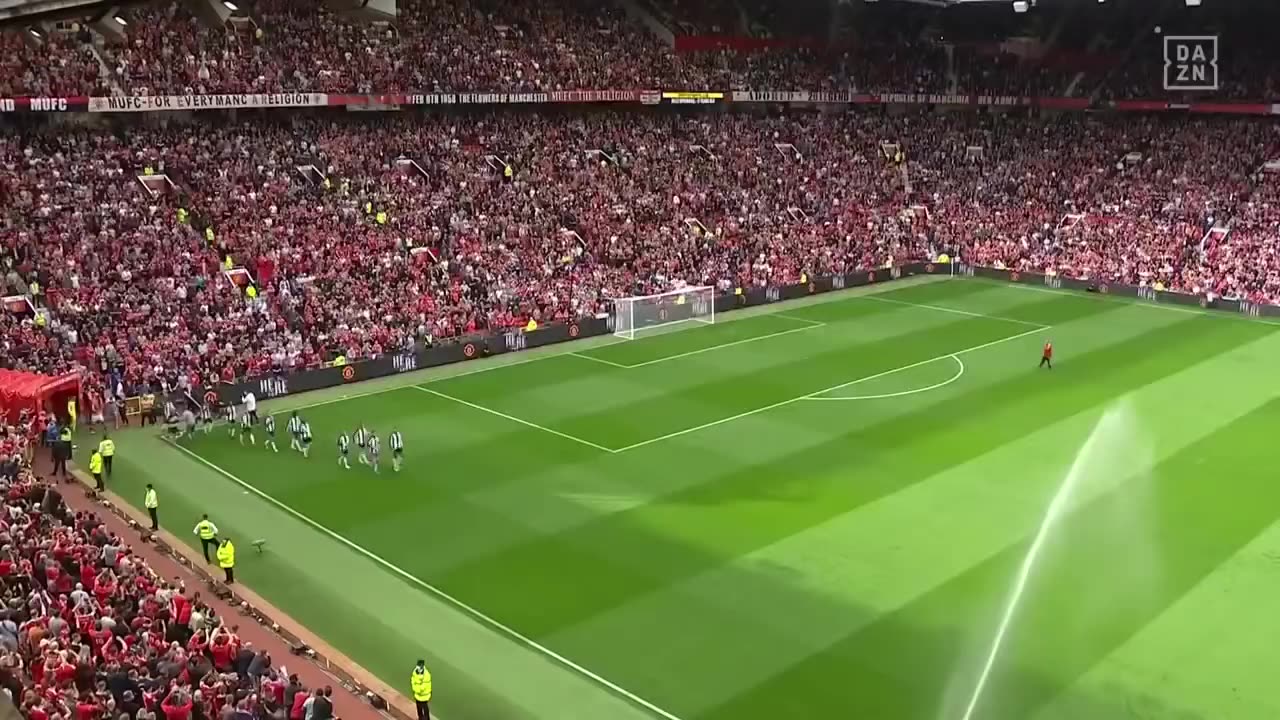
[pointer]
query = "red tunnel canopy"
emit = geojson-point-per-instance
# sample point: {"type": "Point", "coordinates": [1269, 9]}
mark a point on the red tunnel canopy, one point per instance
{"type": "Point", "coordinates": [27, 390]}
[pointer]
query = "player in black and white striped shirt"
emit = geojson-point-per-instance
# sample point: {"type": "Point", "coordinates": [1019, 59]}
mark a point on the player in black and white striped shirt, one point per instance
{"type": "Point", "coordinates": [396, 441]}
{"type": "Point", "coordinates": [230, 413]}
{"type": "Point", "coordinates": [206, 417]}
{"type": "Point", "coordinates": [362, 443]}
{"type": "Point", "coordinates": [304, 434]}
{"type": "Point", "coordinates": [246, 428]}
{"type": "Point", "coordinates": [269, 425]}
{"type": "Point", "coordinates": [295, 432]}
{"type": "Point", "coordinates": [375, 449]}
{"type": "Point", "coordinates": [344, 448]}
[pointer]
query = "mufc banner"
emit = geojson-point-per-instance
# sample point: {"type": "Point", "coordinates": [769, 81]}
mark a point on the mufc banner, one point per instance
{"type": "Point", "coordinates": [161, 103]}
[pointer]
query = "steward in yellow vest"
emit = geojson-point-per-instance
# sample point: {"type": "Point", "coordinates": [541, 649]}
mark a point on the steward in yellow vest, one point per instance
{"type": "Point", "coordinates": [227, 559]}
{"type": "Point", "coordinates": [420, 683]}
{"type": "Point", "coordinates": [152, 503]}
{"type": "Point", "coordinates": [95, 469]}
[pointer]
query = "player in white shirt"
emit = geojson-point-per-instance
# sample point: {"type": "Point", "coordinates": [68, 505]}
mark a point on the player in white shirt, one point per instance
{"type": "Point", "coordinates": [269, 425]}
{"type": "Point", "coordinates": [246, 428]}
{"type": "Point", "coordinates": [375, 449]}
{"type": "Point", "coordinates": [251, 407]}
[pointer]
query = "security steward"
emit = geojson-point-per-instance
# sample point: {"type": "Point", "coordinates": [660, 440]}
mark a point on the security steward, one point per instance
{"type": "Point", "coordinates": [62, 451]}
{"type": "Point", "coordinates": [208, 534]}
{"type": "Point", "coordinates": [107, 448]}
{"type": "Point", "coordinates": [420, 682]}
{"type": "Point", "coordinates": [95, 469]}
{"type": "Point", "coordinates": [227, 559]}
{"type": "Point", "coordinates": [152, 503]}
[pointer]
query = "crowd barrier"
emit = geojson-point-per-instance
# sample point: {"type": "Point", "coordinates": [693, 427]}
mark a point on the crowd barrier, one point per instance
{"type": "Point", "coordinates": [467, 349]}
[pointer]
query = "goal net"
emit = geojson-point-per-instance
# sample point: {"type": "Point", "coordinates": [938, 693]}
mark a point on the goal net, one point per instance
{"type": "Point", "coordinates": [647, 312]}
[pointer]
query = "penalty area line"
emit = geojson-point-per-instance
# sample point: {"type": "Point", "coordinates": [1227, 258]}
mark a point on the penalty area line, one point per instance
{"type": "Point", "coordinates": [513, 418]}
{"type": "Point", "coordinates": [824, 391]}
{"type": "Point", "coordinates": [437, 592]}
{"type": "Point", "coordinates": [809, 325]}
{"type": "Point", "coordinates": [935, 386]}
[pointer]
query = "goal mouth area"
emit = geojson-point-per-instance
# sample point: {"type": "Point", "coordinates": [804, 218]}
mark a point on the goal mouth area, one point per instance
{"type": "Point", "coordinates": [645, 315]}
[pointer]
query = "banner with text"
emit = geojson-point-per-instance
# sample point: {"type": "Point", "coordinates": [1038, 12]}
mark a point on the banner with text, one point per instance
{"type": "Point", "coordinates": [163, 103]}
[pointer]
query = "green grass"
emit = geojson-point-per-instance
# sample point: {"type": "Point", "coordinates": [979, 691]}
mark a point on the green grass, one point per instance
{"type": "Point", "coordinates": [692, 520]}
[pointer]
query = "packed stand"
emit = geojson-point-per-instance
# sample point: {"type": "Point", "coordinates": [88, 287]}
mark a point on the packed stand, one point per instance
{"type": "Point", "coordinates": [367, 238]}
{"type": "Point", "coordinates": [470, 46]}
{"type": "Point", "coordinates": [91, 631]}
{"type": "Point", "coordinates": [58, 64]}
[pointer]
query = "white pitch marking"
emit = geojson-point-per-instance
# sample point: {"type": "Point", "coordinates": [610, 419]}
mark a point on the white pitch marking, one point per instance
{"type": "Point", "coordinates": [758, 410]}
{"type": "Point", "coordinates": [513, 418]}
{"type": "Point", "coordinates": [602, 361]}
{"type": "Point", "coordinates": [956, 311]}
{"type": "Point", "coordinates": [456, 603]}
{"type": "Point", "coordinates": [1203, 312]}
{"type": "Point", "coordinates": [722, 346]}
{"type": "Point", "coordinates": [935, 386]}
{"type": "Point", "coordinates": [810, 326]}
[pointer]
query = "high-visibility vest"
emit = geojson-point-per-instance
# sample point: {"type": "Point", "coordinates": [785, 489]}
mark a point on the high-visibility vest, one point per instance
{"type": "Point", "coordinates": [420, 682]}
{"type": "Point", "coordinates": [531, 325]}
{"type": "Point", "coordinates": [65, 434]}
{"type": "Point", "coordinates": [204, 529]}
{"type": "Point", "coordinates": [382, 217]}
{"type": "Point", "coordinates": [208, 234]}
{"type": "Point", "coordinates": [148, 170]}
{"type": "Point", "coordinates": [228, 263]}
{"type": "Point", "coordinates": [34, 288]}
{"type": "Point", "coordinates": [251, 291]}
{"type": "Point", "coordinates": [150, 501]}
{"type": "Point", "coordinates": [340, 361]}
{"type": "Point", "coordinates": [506, 172]}
{"type": "Point", "coordinates": [226, 555]}
{"type": "Point", "coordinates": [107, 447]}
{"type": "Point", "coordinates": [95, 463]}
{"type": "Point", "coordinates": [182, 215]}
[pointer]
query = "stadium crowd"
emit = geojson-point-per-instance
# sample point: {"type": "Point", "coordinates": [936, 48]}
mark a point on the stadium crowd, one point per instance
{"type": "Point", "coordinates": [89, 630]}
{"type": "Point", "coordinates": [364, 238]}
{"type": "Point", "coordinates": [524, 45]}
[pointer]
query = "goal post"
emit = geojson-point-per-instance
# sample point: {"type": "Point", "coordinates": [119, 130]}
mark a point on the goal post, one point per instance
{"type": "Point", "coordinates": [635, 315]}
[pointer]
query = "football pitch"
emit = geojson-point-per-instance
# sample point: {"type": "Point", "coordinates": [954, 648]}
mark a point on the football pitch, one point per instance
{"type": "Point", "coordinates": [813, 511]}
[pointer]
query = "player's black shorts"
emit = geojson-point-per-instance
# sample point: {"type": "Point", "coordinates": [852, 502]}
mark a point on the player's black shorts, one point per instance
{"type": "Point", "coordinates": [343, 450]}
{"type": "Point", "coordinates": [306, 441]}
{"type": "Point", "coordinates": [398, 452]}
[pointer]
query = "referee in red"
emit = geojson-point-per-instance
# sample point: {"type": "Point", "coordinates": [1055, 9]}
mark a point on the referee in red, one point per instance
{"type": "Point", "coordinates": [1046, 357]}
